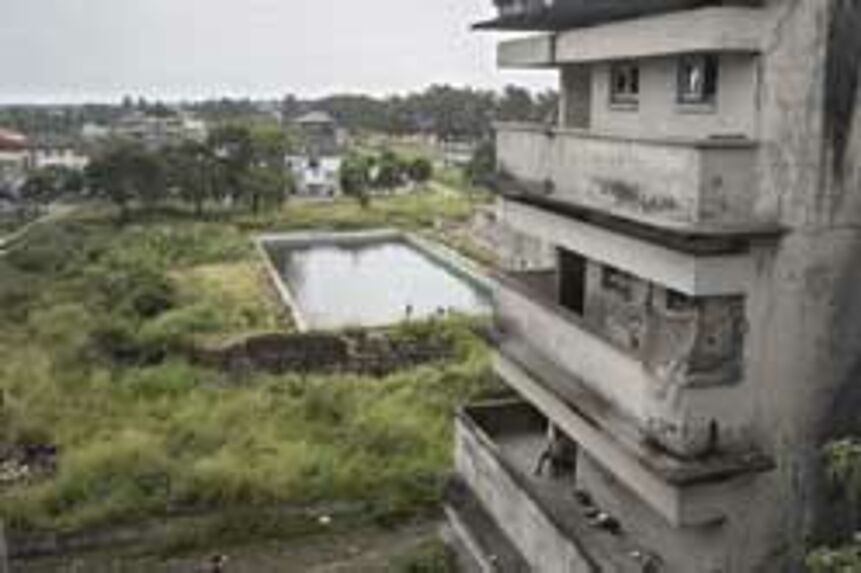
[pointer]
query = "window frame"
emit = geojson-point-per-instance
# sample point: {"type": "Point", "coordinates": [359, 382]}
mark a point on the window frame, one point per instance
{"type": "Point", "coordinates": [628, 98]}
{"type": "Point", "coordinates": [708, 93]}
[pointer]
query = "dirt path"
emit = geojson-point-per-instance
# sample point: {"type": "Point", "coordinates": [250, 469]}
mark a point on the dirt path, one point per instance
{"type": "Point", "coordinates": [361, 551]}
{"type": "Point", "coordinates": [55, 212]}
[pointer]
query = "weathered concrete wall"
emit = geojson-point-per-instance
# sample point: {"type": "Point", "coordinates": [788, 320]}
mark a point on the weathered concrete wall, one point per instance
{"type": "Point", "coordinates": [692, 342]}
{"type": "Point", "coordinates": [659, 114]}
{"type": "Point", "coordinates": [807, 338]}
{"type": "Point", "coordinates": [515, 250]}
{"type": "Point", "coordinates": [679, 417]}
{"type": "Point", "coordinates": [372, 353]}
{"type": "Point", "coordinates": [665, 180]}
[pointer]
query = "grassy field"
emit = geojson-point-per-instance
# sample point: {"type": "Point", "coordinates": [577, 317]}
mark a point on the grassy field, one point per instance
{"type": "Point", "coordinates": [91, 319]}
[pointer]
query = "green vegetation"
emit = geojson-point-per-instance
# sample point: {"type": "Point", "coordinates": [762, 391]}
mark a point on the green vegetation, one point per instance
{"type": "Point", "coordinates": [93, 318]}
{"type": "Point", "coordinates": [844, 472]}
{"type": "Point", "coordinates": [238, 165]}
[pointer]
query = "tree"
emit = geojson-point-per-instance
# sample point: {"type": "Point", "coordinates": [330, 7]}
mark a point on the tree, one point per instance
{"type": "Point", "coordinates": [127, 173]}
{"type": "Point", "coordinates": [481, 169]}
{"type": "Point", "coordinates": [420, 170]}
{"type": "Point", "coordinates": [515, 105]}
{"type": "Point", "coordinates": [843, 460]}
{"type": "Point", "coordinates": [44, 185]}
{"type": "Point", "coordinates": [355, 177]}
{"type": "Point", "coordinates": [192, 170]}
{"type": "Point", "coordinates": [264, 186]}
{"type": "Point", "coordinates": [390, 171]}
{"type": "Point", "coordinates": [233, 148]}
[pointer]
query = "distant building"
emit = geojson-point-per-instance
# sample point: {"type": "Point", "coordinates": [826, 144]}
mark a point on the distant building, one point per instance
{"type": "Point", "coordinates": [457, 152]}
{"type": "Point", "coordinates": [56, 151]}
{"type": "Point", "coordinates": [14, 160]}
{"type": "Point", "coordinates": [317, 165]}
{"type": "Point", "coordinates": [155, 132]}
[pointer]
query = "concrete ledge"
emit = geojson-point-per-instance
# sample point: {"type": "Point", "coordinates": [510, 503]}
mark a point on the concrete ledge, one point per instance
{"type": "Point", "coordinates": [483, 545]}
{"type": "Point", "coordinates": [730, 272]}
{"type": "Point", "coordinates": [719, 29]}
{"type": "Point", "coordinates": [664, 182]}
{"type": "Point", "coordinates": [532, 52]}
{"type": "Point", "coordinates": [541, 517]}
{"type": "Point", "coordinates": [685, 493]}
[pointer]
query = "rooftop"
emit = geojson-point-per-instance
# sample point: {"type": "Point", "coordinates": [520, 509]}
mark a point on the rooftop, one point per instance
{"type": "Point", "coordinates": [568, 14]}
{"type": "Point", "coordinates": [12, 140]}
{"type": "Point", "coordinates": [315, 117]}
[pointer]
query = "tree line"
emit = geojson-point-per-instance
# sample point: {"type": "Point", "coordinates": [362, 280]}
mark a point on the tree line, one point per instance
{"type": "Point", "coordinates": [236, 165]}
{"type": "Point", "coordinates": [443, 110]}
{"type": "Point", "coordinates": [361, 174]}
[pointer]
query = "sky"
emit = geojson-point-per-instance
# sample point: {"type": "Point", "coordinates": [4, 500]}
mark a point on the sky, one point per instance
{"type": "Point", "coordinates": [99, 50]}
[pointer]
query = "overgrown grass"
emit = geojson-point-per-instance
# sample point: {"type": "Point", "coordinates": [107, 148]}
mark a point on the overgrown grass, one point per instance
{"type": "Point", "coordinates": [91, 317]}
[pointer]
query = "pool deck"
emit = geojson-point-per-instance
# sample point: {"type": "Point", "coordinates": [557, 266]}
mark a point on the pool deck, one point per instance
{"type": "Point", "coordinates": [441, 254]}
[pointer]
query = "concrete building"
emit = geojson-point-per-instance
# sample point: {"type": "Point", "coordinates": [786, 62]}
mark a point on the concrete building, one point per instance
{"type": "Point", "coordinates": [316, 167]}
{"type": "Point", "coordinates": [457, 152]}
{"type": "Point", "coordinates": [696, 337]}
{"type": "Point", "coordinates": [56, 151]}
{"type": "Point", "coordinates": [14, 161]}
{"type": "Point", "coordinates": [155, 132]}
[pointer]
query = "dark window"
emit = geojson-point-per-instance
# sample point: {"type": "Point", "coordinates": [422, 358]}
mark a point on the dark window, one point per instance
{"type": "Point", "coordinates": [679, 302]}
{"type": "Point", "coordinates": [624, 83]}
{"type": "Point", "coordinates": [618, 282]}
{"type": "Point", "coordinates": [572, 281]}
{"type": "Point", "coordinates": [698, 78]}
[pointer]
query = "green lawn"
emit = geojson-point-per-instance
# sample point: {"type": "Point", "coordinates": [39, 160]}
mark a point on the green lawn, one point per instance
{"type": "Point", "coordinates": [92, 317]}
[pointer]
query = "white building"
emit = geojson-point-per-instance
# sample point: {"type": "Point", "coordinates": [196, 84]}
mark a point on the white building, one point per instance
{"type": "Point", "coordinates": [14, 159]}
{"type": "Point", "coordinates": [56, 152]}
{"type": "Point", "coordinates": [316, 168]}
{"type": "Point", "coordinates": [316, 177]}
{"type": "Point", "coordinates": [159, 131]}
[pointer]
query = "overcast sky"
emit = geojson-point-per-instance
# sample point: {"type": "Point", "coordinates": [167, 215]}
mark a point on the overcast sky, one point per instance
{"type": "Point", "coordinates": [77, 50]}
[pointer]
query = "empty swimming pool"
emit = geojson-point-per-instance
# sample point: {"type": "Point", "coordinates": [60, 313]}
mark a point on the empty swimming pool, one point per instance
{"type": "Point", "coordinates": [368, 280]}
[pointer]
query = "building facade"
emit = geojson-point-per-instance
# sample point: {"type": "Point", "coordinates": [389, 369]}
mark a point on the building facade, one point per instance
{"type": "Point", "coordinates": [695, 339]}
{"type": "Point", "coordinates": [316, 168]}
{"type": "Point", "coordinates": [155, 132]}
{"type": "Point", "coordinates": [57, 152]}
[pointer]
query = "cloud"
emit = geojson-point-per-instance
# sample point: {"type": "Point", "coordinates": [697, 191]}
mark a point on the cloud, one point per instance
{"type": "Point", "coordinates": [85, 49]}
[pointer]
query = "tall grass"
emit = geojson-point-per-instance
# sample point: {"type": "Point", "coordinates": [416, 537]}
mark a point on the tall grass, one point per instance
{"type": "Point", "coordinates": [90, 316]}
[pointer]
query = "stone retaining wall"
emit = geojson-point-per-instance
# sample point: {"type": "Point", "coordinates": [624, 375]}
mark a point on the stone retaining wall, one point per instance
{"type": "Point", "coordinates": [375, 353]}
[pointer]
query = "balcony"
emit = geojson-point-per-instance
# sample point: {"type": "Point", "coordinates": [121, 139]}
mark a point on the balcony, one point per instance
{"type": "Point", "coordinates": [685, 185]}
{"type": "Point", "coordinates": [562, 352]}
{"type": "Point", "coordinates": [496, 449]}
{"type": "Point", "coordinates": [551, 520]}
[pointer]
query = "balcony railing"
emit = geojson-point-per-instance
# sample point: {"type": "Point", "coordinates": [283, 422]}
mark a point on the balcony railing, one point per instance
{"type": "Point", "coordinates": [496, 449]}
{"type": "Point", "coordinates": [569, 354]}
{"type": "Point", "coordinates": [664, 182]}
